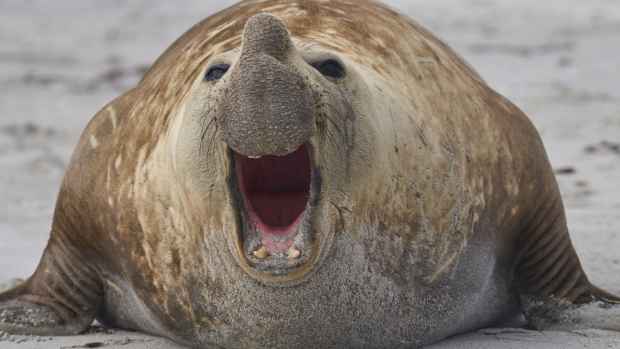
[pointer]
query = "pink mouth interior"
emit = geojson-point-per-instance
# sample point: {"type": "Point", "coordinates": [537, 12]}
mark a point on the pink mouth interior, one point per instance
{"type": "Point", "coordinates": [275, 190]}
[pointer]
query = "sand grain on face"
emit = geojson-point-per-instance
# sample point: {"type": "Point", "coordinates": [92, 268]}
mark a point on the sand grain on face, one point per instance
{"type": "Point", "coordinates": [556, 60]}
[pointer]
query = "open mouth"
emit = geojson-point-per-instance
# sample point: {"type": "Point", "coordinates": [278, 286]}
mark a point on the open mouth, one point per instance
{"type": "Point", "coordinates": [275, 192]}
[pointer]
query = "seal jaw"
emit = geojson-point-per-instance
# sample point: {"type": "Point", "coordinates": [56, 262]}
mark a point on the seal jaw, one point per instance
{"type": "Point", "coordinates": [276, 197]}
{"type": "Point", "coordinates": [275, 192]}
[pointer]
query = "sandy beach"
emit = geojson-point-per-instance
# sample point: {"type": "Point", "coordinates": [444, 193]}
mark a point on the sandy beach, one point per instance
{"type": "Point", "coordinates": [60, 62]}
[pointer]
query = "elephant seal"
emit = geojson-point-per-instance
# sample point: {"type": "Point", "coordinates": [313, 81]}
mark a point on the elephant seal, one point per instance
{"type": "Point", "coordinates": [307, 174]}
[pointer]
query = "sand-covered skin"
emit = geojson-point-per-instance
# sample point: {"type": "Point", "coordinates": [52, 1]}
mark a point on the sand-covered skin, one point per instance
{"type": "Point", "coordinates": [558, 60]}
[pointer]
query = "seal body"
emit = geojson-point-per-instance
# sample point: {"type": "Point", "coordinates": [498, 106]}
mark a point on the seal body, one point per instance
{"type": "Point", "coordinates": [304, 173]}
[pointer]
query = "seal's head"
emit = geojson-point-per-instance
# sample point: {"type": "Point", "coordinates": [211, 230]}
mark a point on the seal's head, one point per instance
{"type": "Point", "coordinates": [294, 134]}
{"type": "Point", "coordinates": [271, 112]}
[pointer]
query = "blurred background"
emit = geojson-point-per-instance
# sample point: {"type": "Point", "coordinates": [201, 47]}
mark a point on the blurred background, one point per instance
{"type": "Point", "coordinates": [559, 60]}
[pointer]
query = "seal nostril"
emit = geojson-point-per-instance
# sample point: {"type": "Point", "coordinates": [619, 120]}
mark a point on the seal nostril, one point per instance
{"type": "Point", "coordinates": [330, 68]}
{"type": "Point", "coordinates": [216, 72]}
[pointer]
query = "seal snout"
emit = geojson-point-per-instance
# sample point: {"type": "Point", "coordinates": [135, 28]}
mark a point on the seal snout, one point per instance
{"type": "Point", "coordinates": [268, 120]}
{"type": "Point", "coordinates": [265, 33]}
{"type": "Point", "coordinates": [269, 105]}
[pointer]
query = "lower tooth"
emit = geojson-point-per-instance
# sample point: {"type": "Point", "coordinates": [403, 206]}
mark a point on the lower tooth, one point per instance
{"type": "Point", "coordinates": [293, 253]}
{"type": "Point", "coordinates": [261, 253]}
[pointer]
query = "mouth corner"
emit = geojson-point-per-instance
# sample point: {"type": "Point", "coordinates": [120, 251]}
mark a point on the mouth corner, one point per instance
{"type": "Point", "coordinates": [275, 199]}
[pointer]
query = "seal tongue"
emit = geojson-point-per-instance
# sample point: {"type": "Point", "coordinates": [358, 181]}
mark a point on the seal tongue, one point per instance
{"type": "Point", "coordinates": [275, 190]}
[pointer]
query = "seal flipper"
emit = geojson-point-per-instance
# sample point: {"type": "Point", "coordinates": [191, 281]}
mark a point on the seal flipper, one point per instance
{"type": "Point", "coordinates": [554, 290]}
{"type": "Point", "coordinates": [62, 297]}
{"type": "Point", "coordinates": [605, 296]}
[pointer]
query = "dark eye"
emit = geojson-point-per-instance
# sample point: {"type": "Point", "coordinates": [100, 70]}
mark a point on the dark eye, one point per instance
{"type": "Point", "coordinates": [330, 68]}
{"type": "Point", "coordinates": [216, 72]}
